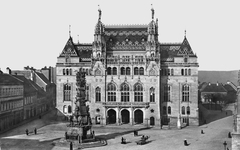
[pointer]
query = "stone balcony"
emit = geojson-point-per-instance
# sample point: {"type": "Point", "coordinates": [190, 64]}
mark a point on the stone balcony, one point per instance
{"type": "Point", "coordinates": [126, 104]}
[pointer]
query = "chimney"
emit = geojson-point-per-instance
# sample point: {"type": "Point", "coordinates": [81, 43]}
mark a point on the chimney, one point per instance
{"type": "Point", "coordinates": [8, 70]}
{"type": "Point", "coordinates": [217, 83]}
{"type": "Point", "coordinates": [209, 83]}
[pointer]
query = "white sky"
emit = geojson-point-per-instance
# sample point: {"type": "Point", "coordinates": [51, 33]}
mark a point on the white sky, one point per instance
{"type": "Point", "coordinates": [34, 32]}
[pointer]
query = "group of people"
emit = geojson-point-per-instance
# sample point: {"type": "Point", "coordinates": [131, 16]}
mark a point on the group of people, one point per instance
{"type": "Point", "coordinates": [35, 131]}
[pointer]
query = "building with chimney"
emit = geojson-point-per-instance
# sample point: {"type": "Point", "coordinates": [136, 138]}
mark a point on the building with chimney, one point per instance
{"type": "Point", "coordinates": [132, 78]}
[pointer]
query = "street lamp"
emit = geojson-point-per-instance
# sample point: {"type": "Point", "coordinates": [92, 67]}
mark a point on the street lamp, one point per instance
{"type": "Point", "coordinates": [225, 145]}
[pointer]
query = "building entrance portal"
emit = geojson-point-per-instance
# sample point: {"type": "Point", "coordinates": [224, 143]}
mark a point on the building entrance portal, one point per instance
{"type": "Point", "coordinates": [125, 116]}
{"type": "Point", "coordinates": [111, 116]}
{"type": "Point", "coordinates": [138, 116]}
{"type": "Point", "coordinates": [152, 121]}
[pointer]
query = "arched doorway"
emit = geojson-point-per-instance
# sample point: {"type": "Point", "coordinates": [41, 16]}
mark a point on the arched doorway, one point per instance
{"type": "Point", "coordinates": [138, 116]}
{"type": "Point", "coordinates": [111, 116]}
{"type": "Point", "coordinates": [152, 121]}
{"type": "Point", "coordinates": [98, 119]}
{"type": "Point", "coordinates": [125, 116]}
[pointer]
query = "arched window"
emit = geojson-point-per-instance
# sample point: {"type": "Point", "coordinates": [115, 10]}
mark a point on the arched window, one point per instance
{"type": "Point", "coordinates": [124, 92]}
{"type": "Point", "coordinates": [152, 94]}
{"type": "Point", "coordinates": [70, 72]}
{"type": "Point", "coordinates": [182, 72]}
{"type": "Point", "coordinates": [168, 72]}
{"type": "Point", "coordinates": [152, 72]}
{"type": "Point", "coordinates": [167, 94]}
{"type": "Point", "coordinates": [164, 110]}
{"type": "Point", "coordinates": [183, 110]}
{"type": "Point", "coordinates": [189, 72]}
{"type": "Point", "coordinates": [127, 71]}
{"type": "Point", "coordinates": [98, 94]}
{"type": "Point", "coordinates": [138, 92]}
{"type": "Point", "coordinates": [185, 72]}
{"type": "Point", "coordinates": [111, 88]}
{"type": "Point", "coordinates": [188, 110]}
{"type": "Point", "coordinates": [136, 71]}
{"type": "Point", "coordinates": [65, 109]}
{"type": "Point", "coordinates": [141, 71]}
{"type": "Point", "coordinates": [114, 71]}
{"type": "Point", "coordinates": [123, 71]}
{"type": "Point", "coordinates": [185, 93]}
{"type": "Point", "coordinates": [169, 110]}
{"type": "Point", "coordinates": [67, 92]}
{"type": "Point", "coordinates": [69, 109]}
{"type": "Point", "coordinates": [109, 71]}
{"type": "Point", "coordinates": [172, 72]}
{"type": "Point", "coordinates": [67, 72]}
{"type": "Point", "coordinates": [87, 73]}
{"type": "Point", "coordinates": [64, 72]}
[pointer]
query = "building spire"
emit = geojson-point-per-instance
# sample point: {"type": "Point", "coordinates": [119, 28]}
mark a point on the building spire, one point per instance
{"type": "Point", "coordinates": [99, 13]}
{"type": "Point", "coordinates": [78, 39]}
{"type": "Point", "coordinates": [69, 30]}
{"type": "Point", "coordinates": [152, 12]}
{"type": "Point", "coordinates": [185, 33]}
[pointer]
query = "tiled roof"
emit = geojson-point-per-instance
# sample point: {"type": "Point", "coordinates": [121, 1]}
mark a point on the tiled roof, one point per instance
{"type": "Point", "coordinates": [84, 50]}
{"type": "Point", "coordinates": [7, 79]}
{"type": "Point", "coordinates": [69, 49]}
{"type": "Point", "coordinates": [230, 88]}
{"type": "Point", "coordinates": [43, 78]}
{"type": "Point", "coordinates": [214, 88]}
{"type": "Point", "coordinates": [28, 88]}
{"type": "Point", "coordinates": [126, 37]}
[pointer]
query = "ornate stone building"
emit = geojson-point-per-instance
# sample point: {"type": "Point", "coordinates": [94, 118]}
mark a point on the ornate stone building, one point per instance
{"type": "Point", "coordinates": [131, 77]}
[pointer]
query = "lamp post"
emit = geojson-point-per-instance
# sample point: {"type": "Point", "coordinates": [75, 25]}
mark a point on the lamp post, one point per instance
{"type": "Point", "coordinates": [225, 145]}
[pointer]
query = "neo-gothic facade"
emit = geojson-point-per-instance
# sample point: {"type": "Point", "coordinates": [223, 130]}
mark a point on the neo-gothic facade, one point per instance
{"type": "Point", "coordinates": [131, 77]}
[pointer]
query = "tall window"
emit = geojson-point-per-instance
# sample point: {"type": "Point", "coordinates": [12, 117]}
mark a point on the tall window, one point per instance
{"type": "Point", "coordinates": [185, 72]}
{"type": "Point", "coordinates": [164, 110]}
{"type": "Point", "coordinates": [188, 110]}
{"type": "Point", "coordinates": [114, 71]}
{"type": "Point", "coordinates": [64, 72]}
{"type": "Point", "coordinates": [136, 71]}
{"type": "Point", "coordinates": [123, 71]}
{"type": "Point", "coordinates": [124, 92]}
{"type": "Point", "coordinates": [109, 70]}
{"type": "Point", "coordinates": [189, 72]}
{"type": "Point", "coordinates": [70, 71]}
{"type": "Point", "coordinates": [182, 72]}
{"type": "Point", "coordinates": [167, 94]}
{"type": "Point", "coordinates": [185, 93]}
{"type": "Point", "coordinates": [152, 94]}
{"type": "Point", "coordinates": [67, 92]}
{"type": "Point", "coordinates": [172, 72]}
{"type": "Point", "coordinates": [183, 110]}
{"type": "Point", "coordinates": [138, 92]}
{"type": "Point", "coordinates": [87, 92]}
{"type": "Point", "coordinates": [127, 71]}
{"type": "Point", "coordinates": [141, 71]}
{"type": "Point", "coordinates": [169, 110]}
{"type": "Point", "coordinates": [111, 88]}
{"type": "Point", "coordinates": [65, 109]}
{"type": "Point", "coordinates": [98, 94]}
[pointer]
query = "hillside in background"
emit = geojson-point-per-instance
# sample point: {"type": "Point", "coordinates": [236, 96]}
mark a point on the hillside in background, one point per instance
{"type": "Point", "coordinates": [218, 76]}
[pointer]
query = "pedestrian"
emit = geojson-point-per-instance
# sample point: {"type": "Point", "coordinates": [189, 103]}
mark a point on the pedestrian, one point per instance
{"type": "Point", "coordinates": [66, 135]}
{"type": "Point", "coordinates": [71, 146]}
{"type": "Point", "coordinates": [229, 135]}
{"type": "Point", "coordinates": [35, 131]}
{"type": "Point", "coordinates": [26, 131]}
{"type": "Point", "coordinates": [185, 142]}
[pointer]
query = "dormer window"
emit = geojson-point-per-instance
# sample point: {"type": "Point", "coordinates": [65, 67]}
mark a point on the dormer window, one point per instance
{"type": "Point", "coordinates": [127, 39]}
{"type": "Point", "coordinates": [143, 39]}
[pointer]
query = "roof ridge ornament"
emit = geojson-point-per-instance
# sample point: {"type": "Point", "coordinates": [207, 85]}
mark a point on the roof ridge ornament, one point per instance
{"type": "Point", "coordinates": [69, 30]}
{"type": "Point", "coordinates": [99, 13]}
{"type": "Point", "coordinates": [185, 33]}
{"type": "Point", "coordinates": [152, 12]}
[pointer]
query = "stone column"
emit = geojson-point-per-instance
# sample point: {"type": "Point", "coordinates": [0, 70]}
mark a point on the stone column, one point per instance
{"type": "Point", "coordinates": [131, 117]}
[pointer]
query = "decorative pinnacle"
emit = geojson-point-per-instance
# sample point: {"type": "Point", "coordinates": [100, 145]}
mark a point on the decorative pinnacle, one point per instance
{"type": "Point", "coordinates": [99, 13]}
{"type": "Point", "coordinates": [152, 11]}
{"type": "Point", "coordinates": [69, 30]}
{"type": "Point", "coordinates": [185, 32]}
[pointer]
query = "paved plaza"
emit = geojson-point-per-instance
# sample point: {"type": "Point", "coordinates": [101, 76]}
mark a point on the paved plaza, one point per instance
{"type": "Point", "coordinates": [215, 133]}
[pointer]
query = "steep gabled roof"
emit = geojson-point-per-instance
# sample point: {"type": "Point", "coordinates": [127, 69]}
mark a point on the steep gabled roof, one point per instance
{"type": "Point", "coordinates": [214, 88]}
{"type": "Point", "coordinates": [69, 49]}
{"type": "Point", "coordinates": [185, 48]}
{"type": "Point", "coordinates": [230, 87]}
{"type": "Point", "coordinates": [40, 75]}
{"type": "Point", "coordinates": [84, 51]}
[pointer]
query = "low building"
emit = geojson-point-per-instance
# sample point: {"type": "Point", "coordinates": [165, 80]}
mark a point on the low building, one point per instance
{"type": "Point", "coordinates": [11, 101]}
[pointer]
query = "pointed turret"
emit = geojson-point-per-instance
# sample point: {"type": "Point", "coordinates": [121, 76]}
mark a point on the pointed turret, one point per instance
{"type": "Point", "coordinates": [99, 42]}
{"type": "Point", "coordinates": [69, 49]}
{"type": "Point", "coordinates": [152, 39]}
{"type": "Point", "coordinates": [185, 48]}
